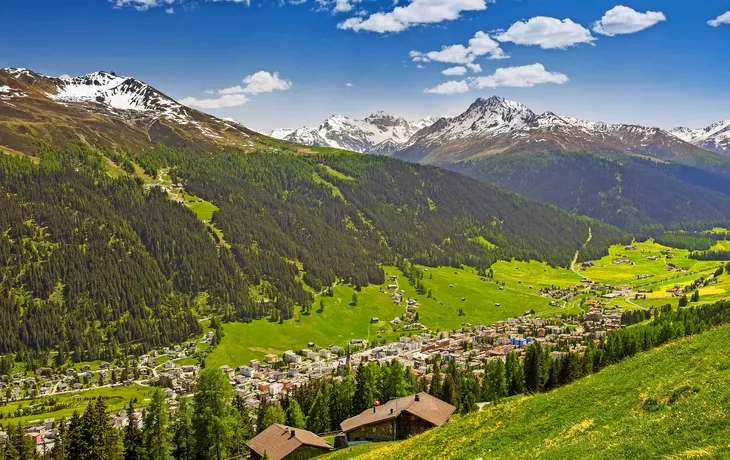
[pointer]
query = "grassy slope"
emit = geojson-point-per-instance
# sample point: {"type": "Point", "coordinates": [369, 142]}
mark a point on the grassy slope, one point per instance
{"type": "Point", "coordinates": [608, 415]}
{"type": "Point", "coordinates": [617, 274]}
{"type": "Point", "coordinates": [117, 399]}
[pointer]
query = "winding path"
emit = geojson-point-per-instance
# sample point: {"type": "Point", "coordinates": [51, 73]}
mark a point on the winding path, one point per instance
{"type": "Point", "coordinates": [575, 258]}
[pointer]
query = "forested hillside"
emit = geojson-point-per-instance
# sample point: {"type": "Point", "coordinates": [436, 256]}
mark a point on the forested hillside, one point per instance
{"type": "Point", "coordinates": [102, 263]}
{"type": "Point", "coordinates": [635, 194]}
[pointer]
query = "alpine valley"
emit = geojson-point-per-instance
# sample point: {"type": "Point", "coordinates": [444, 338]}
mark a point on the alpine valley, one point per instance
{"type": "Point", "coordinates": [180, 280]}
{"type": "Point", "coordinates": [635, 177]}
{"type": "Point", "coordinates": [126, 216]}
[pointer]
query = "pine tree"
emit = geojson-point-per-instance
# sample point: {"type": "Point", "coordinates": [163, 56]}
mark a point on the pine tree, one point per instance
{"type": "Point", "coordinates": [469, 395]}
{"type": "Point", "coordinates": [273, 414]}
{"type": "Point", "coordinates": [368, 386]}
{"type": "Point", "coordinates": [133, 449]}
{"type": "Point", "coordinates": [76, 444]}
{"type": "Point", "coordinates": [212, 415]}
{"type": "Point", "coordinates": [393, 384]}
{"type": "Point", "coordinates": [514, 374]}
{"type": "Point", "coordinates": [59, 447]}
{"type": "Point", "coordinates": [294, 415]}
{"type": "Point", "coordinates": [534, 368]}
{"type": "Point", "coordinates": [183, 431]}
{"type": "Point", "coordinates": [156, 433]}
{"type": "Point", "coordinates": [435, 388]}
{"type": "Point", "coordinates": [498, 380]}
{"type": "Point", "coordinates": [343, 398]}
{"type": "Point", "coordinates": [318, 419]}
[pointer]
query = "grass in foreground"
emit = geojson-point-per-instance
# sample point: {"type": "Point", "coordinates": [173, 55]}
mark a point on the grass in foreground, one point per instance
{"type": "Point", "coordinates": [671, 403]}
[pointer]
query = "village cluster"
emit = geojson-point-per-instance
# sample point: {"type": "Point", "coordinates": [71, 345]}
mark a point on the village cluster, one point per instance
{"type": "Point", "coordinates": [272, 377]}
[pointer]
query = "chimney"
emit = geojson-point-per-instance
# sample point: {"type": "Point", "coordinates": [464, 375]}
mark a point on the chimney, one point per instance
{"type": "Point", "coordinates": [293, 434]}
{"type": "Point", "coordinates": [374, 409]}
{"type": "Point", "coordinates": [417, 397]}
{"type": "Point", "coordinates": [391, 411]}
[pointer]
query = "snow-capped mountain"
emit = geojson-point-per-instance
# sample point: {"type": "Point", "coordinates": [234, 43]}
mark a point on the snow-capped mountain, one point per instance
{"type": "Point", "coordinates": [715, 138]}
{"type": "Point", "coordinates": [99, 105]}
{"type": "Point", "coordinates": [379, 133]}
{"type": "Point", "coordinates": [499, 126]}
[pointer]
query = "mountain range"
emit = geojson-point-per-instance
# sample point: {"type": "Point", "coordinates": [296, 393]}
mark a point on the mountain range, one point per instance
{"type": "Point", "coordinates": [715, 138]}
{"type": "Point", "coordinates": [379, 133]}
{"type": "Point", "coordinates": [497, 126]}
{"type": "Point", "coordinates": [634, 177]}
{"type": "Point", "coordinates": [119, 207]}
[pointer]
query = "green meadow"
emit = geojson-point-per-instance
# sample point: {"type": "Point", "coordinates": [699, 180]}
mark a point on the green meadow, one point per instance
{"type": "Point", "coordinates": [605, 271]}
{"type": "Point", "coordinates": [460, 297]}
{"type": "Point", "coordinates": [341, 322]}
{"type": "Point", "coordinates": [117, 398]}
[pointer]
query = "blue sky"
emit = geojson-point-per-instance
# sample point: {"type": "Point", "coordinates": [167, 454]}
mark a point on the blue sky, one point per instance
{"type": "Point", "coordinates": [653, 62]}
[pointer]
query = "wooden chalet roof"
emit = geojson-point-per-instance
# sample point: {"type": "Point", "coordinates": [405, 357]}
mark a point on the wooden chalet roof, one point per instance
{"type": "Point", "coordinates": [422, 405]}
{"type": "Point", "coordinates": [278, 441]}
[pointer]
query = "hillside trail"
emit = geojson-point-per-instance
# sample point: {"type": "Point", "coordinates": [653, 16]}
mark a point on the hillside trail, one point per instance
{"type": "Point", "coordinates": [575, 258]}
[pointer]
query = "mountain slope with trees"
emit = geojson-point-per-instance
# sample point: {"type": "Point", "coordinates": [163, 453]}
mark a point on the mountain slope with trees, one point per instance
{"type": "Point", "coordinates": [85, 248]}
{"type": "Point", "coordinates": [635, 194]}
{"type": "Point", "coordinates": [98, 262]}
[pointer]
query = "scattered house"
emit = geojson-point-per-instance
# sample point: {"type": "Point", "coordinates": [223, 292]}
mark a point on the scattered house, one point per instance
{"type": "Point", "coordinates": [281, 442]}
{"type": "Point", "coordinates": [374, 320]}
{"type": "Point", "coordinates": [398, 419]}
{"type": "Point", "coordinates": [611, 295]}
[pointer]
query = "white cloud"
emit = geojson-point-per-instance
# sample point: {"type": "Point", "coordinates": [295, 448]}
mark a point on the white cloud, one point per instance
{"type": "Point", "coordinates": [337, 6]}
{"type": "Point", "coordinates": [257, 83]}
{"type": "Point", "coordinates": [260, 82]}
{"type": "Point", "coordinates": [343, 6]}
{"type": "Point", "coordinates": [458, 70]}
{"type": "Point", "coordinates": [624, 20]}
{"type": "Point", "coordinates": [349, 85]}
{"type": "Point", "coordinates": [476, 68]}
{"type": "Point", "coordinates": [720, 20]}
{"type": "Point", "coordinates": [450, 87]}
{"type": "Point", "coordinates": [227, 100]}
{"type": "Point", "coordinates": [479, 45]}
{"type": "Point", "coordinates": [144, 5]}
{"type": "Point", "coordinates": [547, 33]}
{"type": "Point", "coordinates": [519, 77]}
{"type": "Point", "coordinates": [416, 12]}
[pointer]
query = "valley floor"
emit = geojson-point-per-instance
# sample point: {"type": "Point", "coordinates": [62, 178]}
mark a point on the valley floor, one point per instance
{"type": "Point", "coordinates": [460, 297]}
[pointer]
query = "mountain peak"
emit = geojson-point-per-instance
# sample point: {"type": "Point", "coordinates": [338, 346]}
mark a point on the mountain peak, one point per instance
{"type": "Point", "coordinates": [379, 133]}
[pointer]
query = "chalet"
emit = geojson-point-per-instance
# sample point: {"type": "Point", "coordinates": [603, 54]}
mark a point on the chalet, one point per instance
{"type": "Point", "coordinates": [398, 419]}
{"type": "Point", "coordinates": [281, 442]}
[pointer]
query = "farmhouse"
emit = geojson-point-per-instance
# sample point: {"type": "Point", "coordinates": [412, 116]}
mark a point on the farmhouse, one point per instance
{"type": "Point", "coordinates": [398, 419]}
{"type": "Point", "coordinates": [281, 442]}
